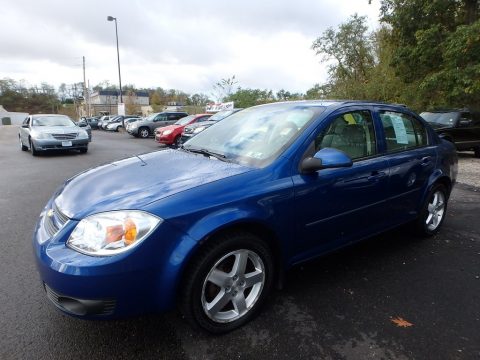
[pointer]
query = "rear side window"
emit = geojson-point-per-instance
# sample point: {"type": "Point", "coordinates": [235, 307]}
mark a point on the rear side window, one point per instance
{"type": "Point", "coordinates": [402, 131]}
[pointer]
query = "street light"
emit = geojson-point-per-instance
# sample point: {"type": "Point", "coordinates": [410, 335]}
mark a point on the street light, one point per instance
{"type": "Point", "coordinates": [111, 18]}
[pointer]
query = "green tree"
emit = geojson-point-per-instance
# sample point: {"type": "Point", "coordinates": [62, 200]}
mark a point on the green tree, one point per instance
{"type": "Point", "coordinates": [349, 51]}
{"type": "Point", "coordinates": [435, 50]}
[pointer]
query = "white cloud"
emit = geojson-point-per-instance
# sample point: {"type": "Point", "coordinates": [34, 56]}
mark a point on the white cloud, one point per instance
{"type": "Point", "coordinates": [186, 45]}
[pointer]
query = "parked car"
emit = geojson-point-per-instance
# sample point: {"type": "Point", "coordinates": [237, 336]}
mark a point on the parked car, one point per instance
{"type": "Point", "coordinates": [49, 132]}
{"type": "Point", "coordinates": [170, 135]}
{"type": "Point", "coordinates": [120, 121]}
{"type": "Point", "coordinates": [212, 226]}
{"type": "Point", "coordinates": [93, 122]}
{"type": "Point", "coordinates": [145, 127]}
{"type": "Point", "coordinates": [192, 130]}
{"type": "Point", "coordinates": [85, 126]}
{"type": "Point", "coordinates": [103, 119]}
{"type": "Point", "coordinates": [460, 126]}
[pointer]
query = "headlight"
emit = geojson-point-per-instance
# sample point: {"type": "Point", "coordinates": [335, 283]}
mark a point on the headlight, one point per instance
{"type": "Point", "coordinates": [112, 233]}
{"type": "Point", "coordinates": [82, 134]}
{"type": "Point", "coordinates": [198, 129]}
{"type": "Point", "coordinates": [167, 132]}
{"type": "Point", "coordinates": [41, 135]}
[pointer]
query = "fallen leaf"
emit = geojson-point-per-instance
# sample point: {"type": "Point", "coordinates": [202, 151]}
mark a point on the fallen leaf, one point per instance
{"type": "Point", "coordinates": [401, 322]}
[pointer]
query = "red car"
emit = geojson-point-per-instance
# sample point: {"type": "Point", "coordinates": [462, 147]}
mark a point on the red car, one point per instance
{"type": "Point", "coordinates": [170, 135]}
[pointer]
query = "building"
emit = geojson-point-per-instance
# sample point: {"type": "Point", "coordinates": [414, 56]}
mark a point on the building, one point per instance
{"type": "Point", "coordinates": [15, 118]}
{"type": "Point", "coordinates": [107, 100]}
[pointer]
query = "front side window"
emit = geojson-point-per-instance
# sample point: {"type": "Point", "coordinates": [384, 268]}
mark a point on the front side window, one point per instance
{"type": "Point", "coordinates": [353, 133]}
{"type": "Point", "coordinates": [402, 131]}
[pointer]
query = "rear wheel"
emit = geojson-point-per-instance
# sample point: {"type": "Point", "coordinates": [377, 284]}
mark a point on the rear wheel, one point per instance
{"type": "Point", "coordinates": [227, 283]}
{"type": "Point", "coordinates": [144, 132]}
{"type": "Point", "coordinates": [433, 212]}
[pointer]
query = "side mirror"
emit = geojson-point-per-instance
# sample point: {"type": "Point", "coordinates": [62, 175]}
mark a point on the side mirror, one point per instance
{"type": "Point", "coordinates": [326, 158]}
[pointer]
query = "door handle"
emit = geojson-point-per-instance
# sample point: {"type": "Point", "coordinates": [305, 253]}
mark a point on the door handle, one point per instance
{"type": "Point", "coordinates": [376, 175]}
{"type": "Point", "coordinates": [426, 160]}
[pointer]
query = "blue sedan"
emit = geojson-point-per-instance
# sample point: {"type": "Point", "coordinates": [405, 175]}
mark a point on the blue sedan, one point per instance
{"type": "Point", "coordinates": [212, 226]}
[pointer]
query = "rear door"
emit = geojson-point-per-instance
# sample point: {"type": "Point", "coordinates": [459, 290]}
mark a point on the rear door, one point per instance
{"type": "Point", "coordinates": [411, 159]}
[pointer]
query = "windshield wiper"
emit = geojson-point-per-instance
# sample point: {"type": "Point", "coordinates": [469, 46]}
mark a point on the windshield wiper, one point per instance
{"type": "Point", "coordinates": [206, 152]}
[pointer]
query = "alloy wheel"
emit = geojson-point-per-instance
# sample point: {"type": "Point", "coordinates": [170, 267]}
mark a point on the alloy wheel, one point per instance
{"type": "Point", "coordinates": [436, 210]}
{"type": "Point", "coordinates": [233, 286]}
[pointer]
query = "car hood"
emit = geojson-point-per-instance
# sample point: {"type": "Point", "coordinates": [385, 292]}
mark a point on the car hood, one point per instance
{"type": "Point", "coordinates": [438, 126]}
{"type": "Point", "coordinates": [135, 182]}
{"type": "Point", "coordinates": [169, 127]}
{"type": "Point", "coordinates": [203, 123]}
{"type": "Point", "coordinates": [56, 129]}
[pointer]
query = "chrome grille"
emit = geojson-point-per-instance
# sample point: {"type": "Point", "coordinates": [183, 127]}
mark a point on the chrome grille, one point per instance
{"type": "Point", "coordinates": [54, 220]}
{"type": "Point", "coordinates": [69, 136]}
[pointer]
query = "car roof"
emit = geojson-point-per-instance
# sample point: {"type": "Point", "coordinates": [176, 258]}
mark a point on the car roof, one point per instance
{"type": "Point", "coordinates": [49, 115]}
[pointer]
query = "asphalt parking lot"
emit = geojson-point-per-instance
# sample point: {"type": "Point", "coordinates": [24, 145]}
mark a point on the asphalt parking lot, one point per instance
{"type": "Point", "coordinates": [391, 297]}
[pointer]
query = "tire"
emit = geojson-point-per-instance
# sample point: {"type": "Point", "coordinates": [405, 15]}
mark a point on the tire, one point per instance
{"type": "Point", "coordinates": [433, 211]}
{"type": "Point", "coordinates": [177, 142]}
{"type": "Point", "coordinates": [23, 147]}
{"type": "Point", "coordinates": [84, 150]}
{"type": "Point", "coordinates": [118, 128]}
{"type": "Point", "coordinates": [238, 294]}
{"type": "Point", "coordinates": [144, 132]}
{"type": "Point", "coordinates": [476, 152]}
{"type": "Point", "coordinates": [32, 149]}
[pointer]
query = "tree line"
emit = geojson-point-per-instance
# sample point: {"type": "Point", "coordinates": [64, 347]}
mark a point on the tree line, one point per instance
{"type": "Point", "coordinates": [426, 54]}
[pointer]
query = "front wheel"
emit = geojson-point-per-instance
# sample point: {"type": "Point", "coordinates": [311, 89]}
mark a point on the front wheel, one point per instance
{"type": "Point", "coordinates": [227, 282]}
{"type": "Point", "coordinates": [23, 147]}
{"type": "Point", "coordinates": [32, 149]}
{"type": "Point", "coordinates": [177, 142]}
{"type": "Point", "coordinates": [433, 212]}
{"type": "Point", "coordinates": [144, 133]}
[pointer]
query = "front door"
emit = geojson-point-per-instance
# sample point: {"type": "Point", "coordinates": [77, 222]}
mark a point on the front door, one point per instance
{"type": "Point", "coordinates": [336, 206]}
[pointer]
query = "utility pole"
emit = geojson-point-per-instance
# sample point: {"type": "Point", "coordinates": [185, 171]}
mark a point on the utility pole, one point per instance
{"type": "Point", "coordinates": [85, 92]}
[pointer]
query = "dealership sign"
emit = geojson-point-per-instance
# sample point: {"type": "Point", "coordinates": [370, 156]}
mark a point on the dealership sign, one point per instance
{"type": "Point", "coordinates": [219, 107]}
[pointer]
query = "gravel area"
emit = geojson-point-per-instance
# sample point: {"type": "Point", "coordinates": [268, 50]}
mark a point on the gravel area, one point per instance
{"type": "Point", "coordinates": [468, 169]}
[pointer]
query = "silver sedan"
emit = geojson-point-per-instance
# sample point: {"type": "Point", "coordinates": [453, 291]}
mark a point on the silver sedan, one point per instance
{"type": "Point", "coordinates": [44, 132]}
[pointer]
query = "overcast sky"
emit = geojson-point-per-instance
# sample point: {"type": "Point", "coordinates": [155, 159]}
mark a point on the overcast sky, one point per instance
{"type": "Point", "coordinates": [184, 44]}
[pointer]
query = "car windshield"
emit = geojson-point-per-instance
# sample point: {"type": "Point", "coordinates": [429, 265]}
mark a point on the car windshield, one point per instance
{"type": "Point", "coordinates": [185, 120]}
{"type": "Point", "coordinates": [255, 136]}
{"type": "Point", "coordinates": [52, 121]}
{"type": "Point", "coordinates": [441, 118]}
{"type": "Point", "coordinates": [151, 117]}
{"type": "Point", "coordinates": [221, 115]}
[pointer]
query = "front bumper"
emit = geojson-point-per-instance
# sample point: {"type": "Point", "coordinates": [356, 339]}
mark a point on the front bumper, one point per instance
{"type": "Point", "coordinates": [165, 139]}
{"type": "Point", "coordinates": [133, 131]}
{"type": "Point", "coordinates": [135, 282]}
{"type": "Point", "coordinates": [186, 137]}
{"type": "Point", "coordinates": [53, 144]}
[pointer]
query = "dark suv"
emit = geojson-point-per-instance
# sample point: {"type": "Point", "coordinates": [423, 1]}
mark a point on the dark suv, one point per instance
{"type": "Point", "coordinates": [460, 126]}
{"type": "Point", "coordinates": [146, 127]}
